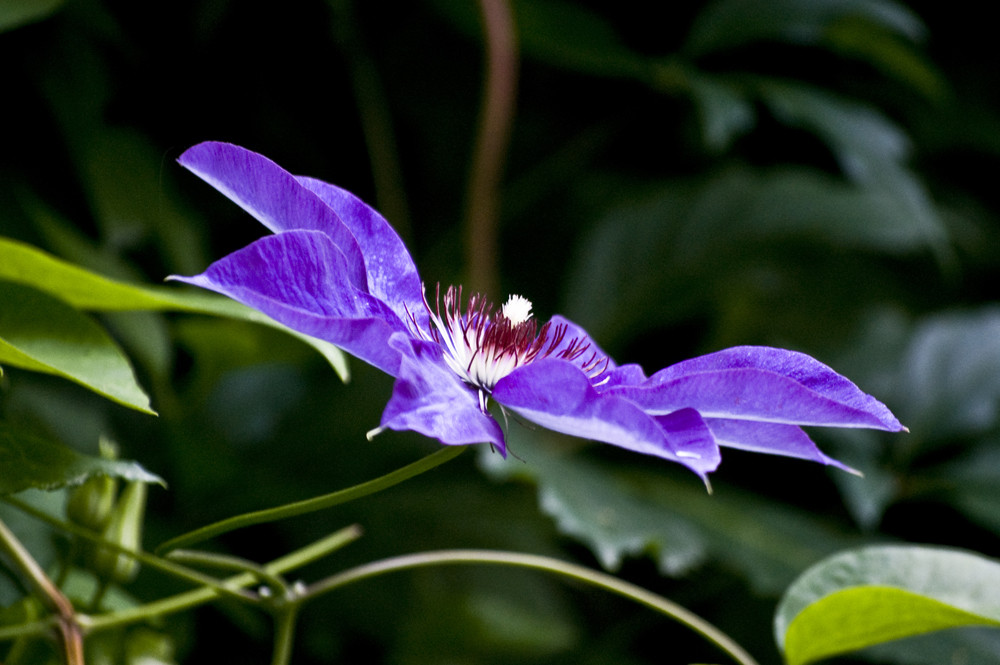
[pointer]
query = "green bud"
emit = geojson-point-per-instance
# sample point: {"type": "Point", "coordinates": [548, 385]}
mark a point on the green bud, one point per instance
{"type": "Point", "coordinates": [148, 647]}
{"type": "Point", "coordinates": [90, 504]}
{"type": "Point", "coordinates": [125, 529]}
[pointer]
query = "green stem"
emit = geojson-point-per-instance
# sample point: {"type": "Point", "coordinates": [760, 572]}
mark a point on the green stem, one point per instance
{"type": "Point", "coordinates": [573, 571]}
{"type": "Point", "coordinates": [310, 505]}
{"type": "Point", "coordinates": [284, 633]}
{"type": "Point", "coordinates": [196, 597]}
{"type": "Point", "coordinates": [226, 562]}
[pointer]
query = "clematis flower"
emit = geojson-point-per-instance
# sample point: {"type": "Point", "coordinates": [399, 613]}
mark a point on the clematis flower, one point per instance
{"type": "Point", "coordinates": [335, 269]}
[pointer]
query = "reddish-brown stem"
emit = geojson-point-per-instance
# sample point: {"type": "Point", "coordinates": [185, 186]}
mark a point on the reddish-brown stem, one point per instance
{"type": "Point", "coordinates": [495, 119]}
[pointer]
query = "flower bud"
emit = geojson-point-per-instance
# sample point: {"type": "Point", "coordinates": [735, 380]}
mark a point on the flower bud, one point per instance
{"type": "Point", "coordinates": [125, 529]}
{"type": "Point", "coordinates": [90, 504]}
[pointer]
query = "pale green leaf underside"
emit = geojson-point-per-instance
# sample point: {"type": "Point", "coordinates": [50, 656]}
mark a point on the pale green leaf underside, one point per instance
{"type": "Point", "coordinates": [30, 461]}
{"type": "Point", "coordinates": [869, 596]}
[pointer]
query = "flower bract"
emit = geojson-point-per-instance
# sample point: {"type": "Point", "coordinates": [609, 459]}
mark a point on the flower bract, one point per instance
{"type": "Point", "coordinates": [334, 268]}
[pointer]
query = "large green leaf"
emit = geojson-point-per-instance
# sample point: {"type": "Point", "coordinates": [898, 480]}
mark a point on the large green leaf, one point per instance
{"type": "Point", "coordinates": [622, 511]}
{"type": "Point", "coordinates": [872, 595]}
{"type": "Point", "coordinates": [88, 290]}
{"type": "Point", "coordinates": [32, 461]}
{"type": "Point", "coordinates": [43, 334]}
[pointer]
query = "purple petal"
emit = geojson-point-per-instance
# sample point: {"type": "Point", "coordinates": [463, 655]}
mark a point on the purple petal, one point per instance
{"type": "Point", "coordinates": [273, 196]}
{"type": "Point", "coordinates": [392, 275]}
{"type": "Point", "coordinates": [429, 398]}
{"type": "Point", "coordinates": [770, 438]}
{"type": "Point", "coordinates": [556, 394]}
{"type": "Point", "coordinates": [624, 375]}
{"type": "Point", "coordinates": [762, 384]}
{"type": "Point", "coordinates": [299, 279]}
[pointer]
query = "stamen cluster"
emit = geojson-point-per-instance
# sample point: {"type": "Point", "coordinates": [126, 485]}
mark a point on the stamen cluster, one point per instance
{"type": "Point", "coordinates": [483, 345]}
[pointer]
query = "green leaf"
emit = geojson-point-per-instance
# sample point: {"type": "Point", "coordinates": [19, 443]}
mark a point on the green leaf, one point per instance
{"type": "Point", "coordinates": [43, 334]}
{"type": "Point", "coordinates": [660, 254]}
{"type": "Point", "coordinates": [728, 24]}
{"type": "Point", "coordinates": [725, 110]}
{"type": "Point", "coordinates": [15, 13]}
{"type": "Point", "coordinates": [660, 511]}
{"type": "Point", "coordinates": [872, 595]}
{"type": "Point", "coordinates": [83, 289]}
{"type": "Point", "coordinates": [949, 375]}
{"type": "Point", "coordinates": [887, 53]}
{"type": "Point", "coordinates": [31, 461]}
{"type": "Point", "coordinates": [940, 374]}
{"type": "Point", "coordinates": [972, 482]}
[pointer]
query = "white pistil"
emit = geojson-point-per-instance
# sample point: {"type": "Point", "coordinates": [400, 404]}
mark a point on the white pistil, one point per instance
{"type": "Point", "coordinates": [517, 310]}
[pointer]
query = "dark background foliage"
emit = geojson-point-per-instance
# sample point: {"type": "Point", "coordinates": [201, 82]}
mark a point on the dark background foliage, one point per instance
{"type": "Point", "coordinates": [812, 174]}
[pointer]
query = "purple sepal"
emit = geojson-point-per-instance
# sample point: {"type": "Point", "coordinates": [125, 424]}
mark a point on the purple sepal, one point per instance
{"type": "Point", "coordinates": [770, 438]}
{"type": "Point", "coordinates": [556, 394]}
{"type": "Point", "coordinates": [429, 398]}
{"type": "Point", "coordinates": [298, 279]}
{"type": "Point", "coordinates": [272, 196]}
{"type": "Point", "coordinates": [392, 275]}
{"type": "Point", "coordinates": [760, 384]}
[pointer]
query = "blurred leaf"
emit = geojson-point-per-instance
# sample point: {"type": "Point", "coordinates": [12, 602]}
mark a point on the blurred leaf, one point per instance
{"type": "Point", "coordinates": [603, 510]}
{"type": "Point", "coordinates": [621, 512]}
{"type": "Point", "coordinates": [488, 617]}
{"type": "Point", "coordinates": [728, 24]}
{"type": "Point", "coordinates": [666, 252]}
{"type": "Point", "coordinates": [940, 374]}
{"type": "Point", "coordinates": [15, 13]}
{"type": "Point", "coordinates": [886, 52]}
{"type": "Point", "coordinates": [221, 346]}
{"type": "Point", "coordinates": [30, 461]}
{"type": "Point", "coordinates": [870, 148]}
{"type": "Point", "coordinates": [973, 484]}
{"type": "Point", "coordinates": [977, 645]}
{"type": "Point", "coordinates": [949, 375]}
{"type": "Point", "coordinates": [725, 110]}
{"type": "Point", "coordinates": [87, 290]}
{"type": "Point", "coordinates": [43, 334]}
{"type": "Point", "coordinates": [125, 182]}
{"type": "Point", "coordinates": [872, 595]}
{"type": "Point", "coordinates": [864, 141]}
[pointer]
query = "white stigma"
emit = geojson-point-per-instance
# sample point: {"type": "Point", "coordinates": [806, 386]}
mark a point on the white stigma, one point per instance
{"type": "Point", "coordinates": [517, 310]}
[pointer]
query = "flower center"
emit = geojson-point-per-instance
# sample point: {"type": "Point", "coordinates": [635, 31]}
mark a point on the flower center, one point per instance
{"type": "Point", "coordinates": [483, 346]}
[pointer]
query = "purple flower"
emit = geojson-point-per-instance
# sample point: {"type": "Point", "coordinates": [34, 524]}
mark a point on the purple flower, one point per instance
{"type": "Point", "coordinates": [335, 269]}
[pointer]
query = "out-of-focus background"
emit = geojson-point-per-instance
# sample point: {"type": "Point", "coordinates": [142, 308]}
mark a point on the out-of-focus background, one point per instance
{"type": "Point", "coordinates": [812, 174]}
